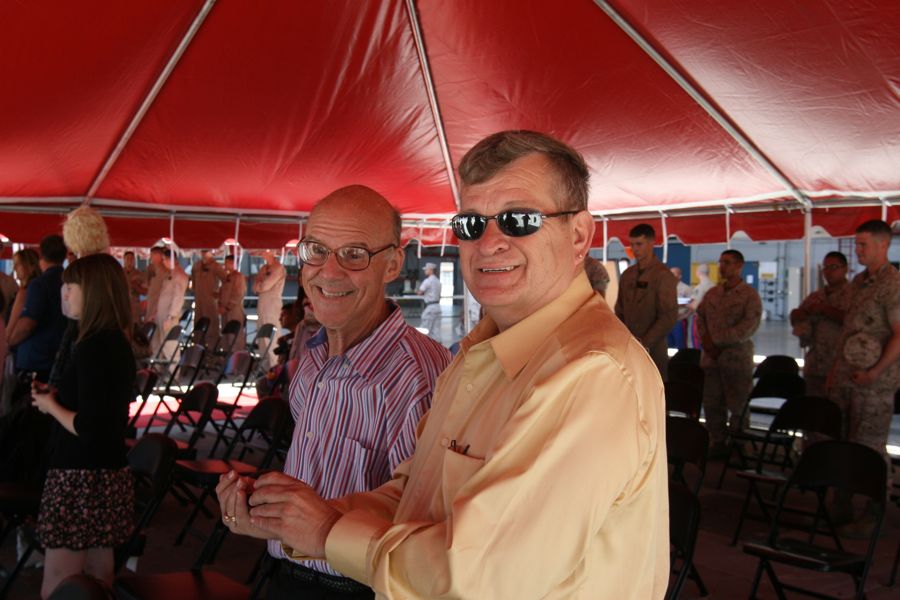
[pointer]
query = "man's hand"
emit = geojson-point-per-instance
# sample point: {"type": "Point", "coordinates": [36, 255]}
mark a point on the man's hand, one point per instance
{"type": "Point", "coordinates": [232, 493]}
{"type": "Point", "coordinates": [292, 512]}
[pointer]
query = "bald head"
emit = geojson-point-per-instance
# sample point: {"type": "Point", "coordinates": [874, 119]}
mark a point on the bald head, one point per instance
{"type": "Point", "coordinates": [366, 205]}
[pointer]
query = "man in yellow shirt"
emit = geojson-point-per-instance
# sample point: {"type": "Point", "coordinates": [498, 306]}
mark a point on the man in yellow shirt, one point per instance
{"type": "Point", "coordinates": [540, 471]}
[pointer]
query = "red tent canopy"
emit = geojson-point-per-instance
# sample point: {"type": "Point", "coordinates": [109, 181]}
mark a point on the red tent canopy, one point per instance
{"type": "Point", "coordinates": [217, 109]}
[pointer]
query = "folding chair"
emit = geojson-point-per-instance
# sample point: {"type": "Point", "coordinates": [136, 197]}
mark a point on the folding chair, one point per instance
{"type": "Point", "coordinates": [19, 505]}
{"type": "Point", "coordinates": [167, 351]}
{"type": "Point", "coordinates": [239, 365]}
{"type": "Point", "coordinates": [777, 364]}
{"type": "Point", "coordinates": [182, 378]}
{"type": "Point", "coordinates": [148, 329]}
{"type": "Point", "coordinates": [200, 399]}
{"type": "Point", "coordinates": [824, 467]}
{"type": "Point", "coordinates": [746, 442]}
{"type": "Point", "coordinates": [218, 358]}
{"type": "Point", "coordinates": [684, 524]}
{"type": "Point", "coordinates": [268, 420]}
{"type": "Point", "coordinates": [797, 415]}
{"type": "Point", "coordinates": [895, 494]}
{"type": "Point", "coordinates": [151, 461]}
{"type": "Point", "coordinates": [264, 338]}
{"type": "Point", "coordinates": [144, 384]}
{"type": "Point", "coordinates": [683, 398]}
{"type": "Point", "coordinates": [198, 333]}
{"type": "Point", "coordinates": [687, 443]}
{"type": "Point", "coordinates": [689, 356]}
{"type": "Point", "coordinates": [685, 372]}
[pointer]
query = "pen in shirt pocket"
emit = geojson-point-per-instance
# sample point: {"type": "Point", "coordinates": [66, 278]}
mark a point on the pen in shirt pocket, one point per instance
{"type": "Point", "coordinates": [459, 448]}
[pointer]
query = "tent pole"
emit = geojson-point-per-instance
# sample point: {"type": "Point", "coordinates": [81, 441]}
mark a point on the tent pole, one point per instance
{"type": "Point", "coordinates": [665, 234]}
{"type": "Point", "coordinates": [148, 100]}
{"type": "Point", "coordinates": [432, 97]}
{"type": "Point", "coordinates": [884, 209]}
{"type": "Point", "coordinates": [728, 227]}
{"type": "Point", "coordinates": [605, 238]}
{"type": "Point", "coordinates": [694, 91]}
{"type": "Point", "coordinates": [807, 253]}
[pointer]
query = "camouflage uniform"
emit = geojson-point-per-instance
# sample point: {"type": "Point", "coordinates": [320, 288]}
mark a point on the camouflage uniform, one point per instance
{"type": "Point", "coordinates": [648, 305]}
{"type": "Point", "coordinates": [269, 287]}
{"type": "Point", "coordinates": [867, 409]}
{"type": "Point", "coordinates": [171, 303]}
{"type": "Point", "coordinates": [821, 336]}
{"type": "Point", "coordinates": [137, 284]}
{"type": "Point", "coordinates": [155, 277]}
{"type": "Point", "coordinates": [231, 298]}
{"type": "Point", "coordinates": [730, 317]}
{"type": "Point", "coordinates": [205, 281]}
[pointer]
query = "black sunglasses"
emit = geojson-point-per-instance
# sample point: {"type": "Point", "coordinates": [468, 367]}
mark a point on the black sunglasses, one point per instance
{"type": "Point", "coordinates": [514, 223]}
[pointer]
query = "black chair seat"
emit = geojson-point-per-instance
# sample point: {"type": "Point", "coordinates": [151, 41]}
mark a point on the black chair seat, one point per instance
{"type": "Point", "coordinates": [185, 452]}
{"type": "Point", "coordinates": [797, 553]}
{"type": "Point", "coordinates": [189, 585]}
{"type": "Point", "coordinates": [766, 476]}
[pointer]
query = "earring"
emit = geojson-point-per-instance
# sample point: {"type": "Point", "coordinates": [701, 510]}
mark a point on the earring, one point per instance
{"type": "Point", "coordinates": [581, 256]}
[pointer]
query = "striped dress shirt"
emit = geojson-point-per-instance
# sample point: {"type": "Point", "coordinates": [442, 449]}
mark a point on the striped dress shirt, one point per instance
{"type": "Point", "coordinates": [356, 415]}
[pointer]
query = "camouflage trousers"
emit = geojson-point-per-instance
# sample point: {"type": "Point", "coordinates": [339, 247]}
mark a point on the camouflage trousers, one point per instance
{"type": "Point", "coordinates": [866, 415]}
{"type": "Point", "coordinates": [815, 385]}
{"type": "Point", "coordinates": [726, 389]}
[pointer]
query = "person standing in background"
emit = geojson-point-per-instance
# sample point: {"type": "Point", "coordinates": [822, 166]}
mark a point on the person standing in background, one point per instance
{"type": "Point", "coordinates": [727, 318]}
{"type": "Point", "coordinates": [156, 273]}
{"type": "Point", "coordinates": [231, 298]}
{"type": "Point", "coordinates": [818, 322]}
{"type": "Point", "coordinates": [647, 302]}
{"type": "Point", "coordinates": [171, 297]}
{"type": "Point", "coordinates": [8, 289]}
{"type": "Point", "coordinates": [430, 290]}
{"type": "Point", "coordinates": [205, 281]}
{"type": "Point", "coordinates": [269, 287]}
{"type": "Point", "coordinates": [137, 284]}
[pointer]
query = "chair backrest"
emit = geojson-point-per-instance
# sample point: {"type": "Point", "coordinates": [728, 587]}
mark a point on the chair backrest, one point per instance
{"type": "Point", "coordinates": [684, 524]}
{"type": "Point", "coordinates": [189, 364]}
{"type": "Point", "coordinates": [849, 466]}
{"type": "Point", "coordinates": [81, 587]}
{"type": "Point", "coordinates": [779, 385]}
{"type": "Point", "coordinates": [148, 329]}
{"type": "Point", "coordinates": [775, 364]}
{"type": "Point", "coordinates": [144, 382]}
{"type": "Point", "coordinates": [201, 327]}
{"type": "Point", "coordinates": [173, 335]}
{"type": "Point", "coordinates": [264, 337]}
{"type": "Point", "coordinates": [689, 356]}
{"type": "Point", "coordinates": [810, 415]}
{"type": "Point", "coordinates": [683, 397]}
{"type": "Point", "coordinates": [153, 458]}
{"type": "Point", "coordinates": [200, 398]}
{"type": "Point", "coordinates": [686, 371]}
{"type": "Point", "coordinates": [271, 416]}
{"type": "Point", "coordinates": [238, 363]}
{"type": "Point", "coordinates": [229, 335]}
{"type": "Point", "coordinates": [687, 443]}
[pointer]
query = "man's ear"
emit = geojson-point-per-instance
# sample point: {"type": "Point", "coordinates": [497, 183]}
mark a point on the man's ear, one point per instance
{"type": "Point", "coordinates": [394, 265]}
{"type": "Point", "coordinates": [583, 228]}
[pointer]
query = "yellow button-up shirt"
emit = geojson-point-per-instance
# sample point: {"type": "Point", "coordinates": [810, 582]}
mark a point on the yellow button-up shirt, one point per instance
{"type": "Point", "coordinates": [540, 471]}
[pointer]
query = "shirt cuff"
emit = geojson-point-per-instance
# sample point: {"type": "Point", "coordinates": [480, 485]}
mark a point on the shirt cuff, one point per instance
{"type": "Point", "coordinates": [347, 546]}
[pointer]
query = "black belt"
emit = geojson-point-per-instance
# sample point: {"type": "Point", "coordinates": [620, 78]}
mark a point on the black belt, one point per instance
{"type": "Point", "coordinates": [307, 575]}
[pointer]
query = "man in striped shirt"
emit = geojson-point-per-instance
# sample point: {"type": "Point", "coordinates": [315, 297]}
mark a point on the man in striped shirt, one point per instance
{"type": "Point", "coordinates": [364, 382]}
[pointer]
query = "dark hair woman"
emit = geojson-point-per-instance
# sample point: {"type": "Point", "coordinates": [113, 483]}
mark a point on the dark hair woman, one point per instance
{"type": "Point", "coordinates": [87, 503]}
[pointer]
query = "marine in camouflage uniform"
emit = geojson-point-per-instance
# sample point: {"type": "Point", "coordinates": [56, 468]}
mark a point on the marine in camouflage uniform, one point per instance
{"type": "Point", "coordinates": [818, 322]}
{"type": "Point", "coordinates": [205, 281]}
{"type": "Point", "coordinates": [727, 318]}
{"type": "Point", "coordinates": [874, 312]}
{"type": "Point", "coordinates": [647, 302]}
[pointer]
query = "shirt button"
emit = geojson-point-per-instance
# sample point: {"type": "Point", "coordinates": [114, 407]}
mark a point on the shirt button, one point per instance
{"type": "Point", "coordinates": [320, 385]}
{"type": "Point", "coordinates": [445, 442]}
{"type": "Point", "coordinates": [469, 387]}
{"type": "Point", "coordinates": [309, 435]}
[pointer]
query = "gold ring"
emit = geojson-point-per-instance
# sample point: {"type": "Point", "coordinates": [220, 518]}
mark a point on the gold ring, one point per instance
{"type": "Point", "coordinates": [229, 518]}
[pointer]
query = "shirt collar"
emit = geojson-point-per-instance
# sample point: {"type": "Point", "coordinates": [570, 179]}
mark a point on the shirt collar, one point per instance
{"type": "Point", "coordinates": [366, 356]}
{"type": "Point", "coordinates": [515, 346]}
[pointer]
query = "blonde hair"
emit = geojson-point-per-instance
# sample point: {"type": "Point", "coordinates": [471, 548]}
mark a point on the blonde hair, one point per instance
{"type": "Point", "coordinates": [85, 232]}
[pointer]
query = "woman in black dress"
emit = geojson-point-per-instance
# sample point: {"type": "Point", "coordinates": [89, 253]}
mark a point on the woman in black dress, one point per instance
{"type": "Point", "coordinates": [88, 501]}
